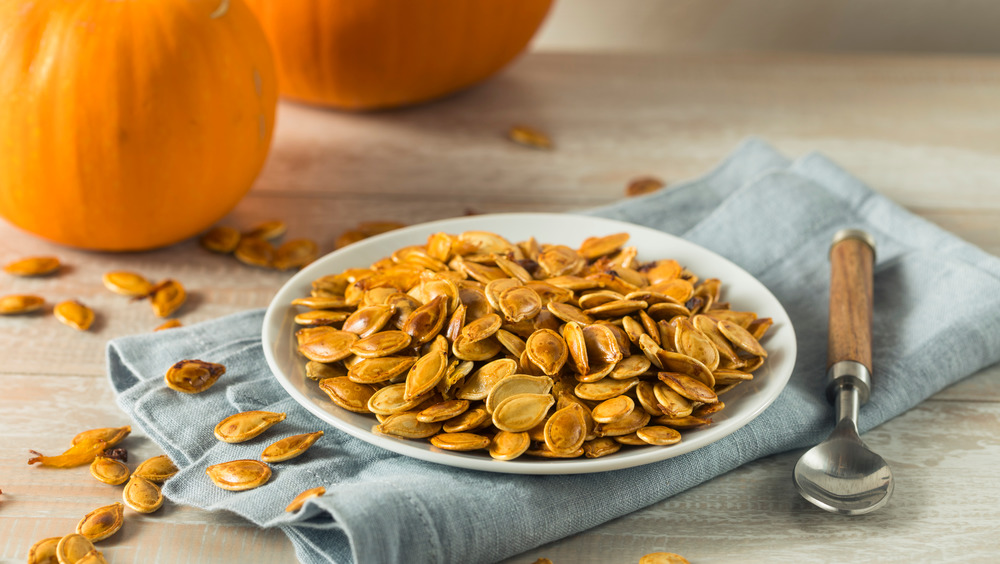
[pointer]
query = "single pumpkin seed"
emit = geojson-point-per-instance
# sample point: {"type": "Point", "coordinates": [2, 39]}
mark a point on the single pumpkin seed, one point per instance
{"type": "Point", "coordinates": [742, 338]}
{"type": "Point", "coordinates": [157, 469]}
{"type": "Point", "coordinates": [517, 384]}
{"type": "Point", "coordinates": [604, 389]}
{"type": "Point", "coordinates": [425, 374]}
{"type": "Point", "coordinates": [460, 441]}
{"type": "Point", "coordinates": [594, 247]}
{"type": "Point", "coordinates": [691, 342]}
{"type": "Point", "coordinates": [659, 435]}
{"type": "Point", "coordinates": [319, 370]}
{"type": "Point", "coordinates": [508, 446]}
{"type": "Point", "coordinates": [271, 229]}
{"type": "Point", "coordinates": [289, 447]}
{"type": "Point", "coordinates": [646, 396]}
{"type": "Point", "coordinates": [567, 313]}
{"type": "Point", "coordinates": [565, 430]}
{"type": "Point", "coordinates": [239, 475]}
{"type": "Point", "coordinates": [367, 320]}
{"type": "Point", "coordinates": [32, 266]}
{"type": "Point", "coordinates": [522, 411]}
{"type": "Point", "coordinates": [543, 451]}
{"type": "Point", "coordinates": [482, 328]}
{"type": "Point", "coordinates": [44, 551]}
{"type": "Point", "coordinates": [167, 297]}
{"type": "Point", "coordinates": [241, 427]}
{"type": "Point", "coordinates": [317, 317]}
{"type": "Point", "coordinates": [142, 495]}
{"type": "Point", "coordinates": [380, 369]}
{"type": "Point", "coordinates": [407, 426]}
{"type": "Point", "coordinates": [255, 251]}
{"type": "Point", "coordinates": [300, 499]}
{"type": "Point", "coordinates": [669, 402]}
{"type": "Point", "coordinates": [74, 314]}
{"type": "Point", "coordinates": [688, 387]}
{"type": "Point", "coordinates": [109, 435]}
{"type": "Point", "coordinates": [477, 351]}
{"type": "Point", "coordinates": [109, 471]}
{"type": "Point", "coordinates": [347, 394]}
{"type": "Point", "coordinates": [102, 522]}
{"type": "Point", "coordinates": [547, 350]}
{"type": "Point", "coordinates": [529, 137]}
{"type": "Point", "coordinates": [383, 343]}
{"type": "Point", "coordinates": [601, 446]}
{"type": "Point", "coordinates": [220, 239]}
{"type": "Point", "coordinates": [15, 304]}
{"type": "Point", "coordinates": [631, 423]}
{"type": "Point", "coordinates": [325, 302]}
{"type": "Point", "coordinates": [687, 422]}
{"type": "Point", "coordinates": [127, 283]}
{"type": "Point", "coordinates": [630, 439]}
{"type": "Point", "coordinates": [443, 411]}
{"type": "Point", "coordinates": [471, 420]}
{"type": "Point", "coordinates": [295, 254]}
{"type": "Point", "coordinates": [72, 548]}
{"type": "Point", "coordinates": [193, 376]}
{"type": "Point", "coordinates": [520, 303]}
{"type": "Point", "coordinates": [391, 400]}
{"type": "Point", "coordinates": [328, 344]}
{"type": "Point", "coordinates": [613, 409]}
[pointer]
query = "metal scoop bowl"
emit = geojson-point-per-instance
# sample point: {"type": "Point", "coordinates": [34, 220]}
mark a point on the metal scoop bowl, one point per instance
{"type": "Point", "coordinates": [842, 474]}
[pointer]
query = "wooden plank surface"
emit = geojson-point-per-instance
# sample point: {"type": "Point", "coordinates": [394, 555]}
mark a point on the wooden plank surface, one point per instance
{"type": "Point", "coordinates": [921, 130]}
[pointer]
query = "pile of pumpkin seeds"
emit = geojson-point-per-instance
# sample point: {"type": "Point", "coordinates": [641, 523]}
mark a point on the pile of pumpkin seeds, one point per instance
{"type": "Point", "coordinates": [256, 246]}
{"type": "Point", "coordinates": [474, 342]}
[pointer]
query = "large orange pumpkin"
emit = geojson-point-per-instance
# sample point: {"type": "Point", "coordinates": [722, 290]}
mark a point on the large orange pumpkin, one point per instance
{"type": "Point", "coordinates": [130, 124]}
{"type": "Point", "coordinates": [367, 54]}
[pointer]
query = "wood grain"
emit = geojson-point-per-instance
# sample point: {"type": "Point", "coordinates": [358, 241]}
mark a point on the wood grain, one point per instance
{"type": "Point", "coordinates": [850, 328]}
{"type": "Point", "coordinates": [920, 130]}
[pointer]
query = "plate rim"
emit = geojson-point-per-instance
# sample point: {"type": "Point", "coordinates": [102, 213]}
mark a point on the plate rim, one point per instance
{"type": "Point", "coordinates": [277, 310]}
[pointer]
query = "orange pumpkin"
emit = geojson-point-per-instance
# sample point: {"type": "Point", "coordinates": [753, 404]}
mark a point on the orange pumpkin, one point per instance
{"type": "Point", "coordinates": [130, 124]}
{"type": "Point", "coordinates": [367, 54]}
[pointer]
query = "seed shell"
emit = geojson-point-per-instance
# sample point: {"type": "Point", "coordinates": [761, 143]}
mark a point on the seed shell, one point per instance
{"type": "Point", "coordinates": [44, 551]}
{"type": "Point", "coordinates": [239, 475]}
{"type": "Point", "coordinates": [193, 376]}
{"type": "Point", "coordinates": [32, 266]}
{"type": "Point", "coordinates": [167, 297]}
{"type": "Point", "coordinates": [300, 499]}
{"type": "Point", "coordinates": [109, 471]}
{"type": "Point", "coordinates": [220, 239]}
{"type": "Point", "coordinates": [15, 304]}
{"type": "Point", "coordinates": [241, 427]}
{"type": "Point", "coordinates": [157, 469]}
{"type": "Point", "coordinates": [72, 548]}
{"type": "Point", "coordinates": [102, 522]}
{"type": "Point", "coordinates": [74, 314]}
{"type": "Point", "coordinates": [142, 495]}
{"type": "Point", "coordinates": [127, 283]}
{"type": "Point", "coordinates": [289, 447]}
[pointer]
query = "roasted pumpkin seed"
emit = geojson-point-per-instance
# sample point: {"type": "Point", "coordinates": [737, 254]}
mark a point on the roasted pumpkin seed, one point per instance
{"type": "Point", "coordinates": [72, 548]}
{"type": "Point", "coordinates": [565, 430]}
{"type": "Point", "coordinates": [522, 411]}
{"type": "Point", "coordinates": [193, 376]}
{"type": "Point", "coordinates": [295, 254]}
{"type": "Point", "coordinates": [659, 435]}
{"type": "Point", "coordinates": [109, 471]}
{"type": "Point", "coordinates": [460, 441]}
{"type": "Point", "coordinates": [741, 338]}
{"type": "Point", "coordinates": [271, 229]}
{"type": "Point", "coordinates": [32, 266]}
{"type": "Point", "coordinates": [44, 551]}
{"type": "Point", "coordinates": [289, 447]}
{"type": "Point", "coordinates": [241, 427]}
{"type": "Point", "coordinates": [142, 495]}
{"type": "Point", "coordinates": [255, 251]}
{"type": "Point", "coordinates": [220, 239]}
{"type": "Point", "coordinates": [74, 314]}
{"type": "Point", "coordinates": [508, 446]}
{"type": "Point", "coordinates": [614, 409]}
{"type": "Point", "coordinates": [239, 475]}
{"type": "Point", "coordinates": [407, 426]}
{"type": "Point", "coordinates": [529, 137]}
{"type": "Point", "coordinates": [167, 297]}
{"type": "Point", "coordinates": [157, 469]}
{"type": "Point", "coordinates": [15, 304]}
{"type": "Point", "coordinates": [300, 499]}
{"type": "Point", "coordinates": [102, 522]}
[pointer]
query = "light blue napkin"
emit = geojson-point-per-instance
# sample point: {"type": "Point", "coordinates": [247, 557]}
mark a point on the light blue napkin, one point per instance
{"type": "Point", "coordinates": [936, 320]}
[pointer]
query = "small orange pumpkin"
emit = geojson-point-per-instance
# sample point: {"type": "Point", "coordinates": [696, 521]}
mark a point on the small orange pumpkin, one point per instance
{"type": "Point", "coordinates": [130, 124]}
{"type": "Point", "coordinates": [368, 54]}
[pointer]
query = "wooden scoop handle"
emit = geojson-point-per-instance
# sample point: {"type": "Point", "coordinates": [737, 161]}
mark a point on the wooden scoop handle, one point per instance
{"type": "Point", "coordinates": [852, 256]}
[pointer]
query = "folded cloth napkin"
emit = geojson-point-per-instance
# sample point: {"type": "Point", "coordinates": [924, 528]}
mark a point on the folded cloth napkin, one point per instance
{"type": "Point", "coordinates": [936, 320]}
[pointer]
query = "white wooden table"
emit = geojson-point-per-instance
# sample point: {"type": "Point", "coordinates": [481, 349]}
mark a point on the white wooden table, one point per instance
{"type": "Point", "coordinates": [921, 130]}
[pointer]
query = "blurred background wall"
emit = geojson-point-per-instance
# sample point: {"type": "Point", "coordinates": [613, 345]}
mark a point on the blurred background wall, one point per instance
{"type": "Point", "coordinates": [971, 26]}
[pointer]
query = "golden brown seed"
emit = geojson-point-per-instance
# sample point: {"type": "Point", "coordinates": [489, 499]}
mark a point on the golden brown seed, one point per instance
{"type": "Point", "coordinates": [688, 387]}
{"type": "Point", "coordinates": [109, 435]}
{"type": "Point", "coordinates": [241, 427]}
{"type": "Point", "coordinates": [319, 317]}
{"type": "Point", "coordinates": [560, 260]}
{"type": "Point", "coordinates": [669, 402]}
{"type": "Point", "coordinates": [157, 469]}
{"type": "Point", "coordinates": [74, 314]}
{"type": "Point", "coordinates": [478, 385]}
{"type": "Point", "coordinates": [742, 338]}
{"type": "Point", "coordinates": [687, 422]}
{"type": "Point", "coordinates": [32, 266]}
{"type": "Point", "coordinates": [518, 304]}
{"type": "Point", "coordinates": [367, 320]}
{"type": "Point", "coordinates": [613, 409]}
{"type": "Point", "coordinates": [383, 343]}
{"type": "Point", "coordinates": [168, 324]}
{"type": "Point", "coordinates": [142, 495]}
{"type": "Point", "coordinates": [443, 411]}
{"type": "Point", "coordinates": [239, 475]}
{"type": "Point", "coordinates": [631, 439]}
{"type": "Point", "coordinates": [628, 424]}
{"type": "Point", "coordinates": [547, 350]}
{"type": "Point", "coordinates": [295, 254]}
{"type": "Point", "coordinates": [544, 451]}
{"type": "Point", "coordinates": [663, 558]}
{"type": "Point", "coordinates": [167, 297]}
{"type": "Point", "coordinates": [508, 446]}
{"type": "Point", "coordinates": [565, 430]}
{"type": "Point", "coordinates": [271, 229]}
{"type": "Point", "coordinates": [482, 328]}
{"type": "Point", "coordinates": [469, 421]}
{"type": "Point", "coordinates": [289, 447]}
{"type": "Point", "coordinates": [514, 385]}
{"type": "Point", "coordinates": [390, 400]}
{"type": "Point", "coordinates": [109, 471]}
{"type": "Point", "coordinates": [675, 362]}
{"type": "Point", "coordinates": [643, 185]}
{"type": "Point", "coordinates": [480, 350]}
{"type": "Point", "coordinates": [347, 394]}
{"type": "Point", "coordinates": [522, 411]}
{"type": "Point", "coordinates": [407, 426]}
{"type": "Point", "coordinates": [529, 137]}
{"type": "Point", "coordinates": [460, 441]}
{"type": "Point", "coordinates": [326, 302]}
{"type": "Point", "coordinates": [631, 367]}
{"type": "Point", "coordinates": [375, 370]}
{"type": "Point", "coordinates": [44, 551]}
{"type": "Point", "coordinates": [300, 499]}
{"type": "Point", "coordinates": [659, 435]}
{"type": "Point", "coordinates": [102, 522]}
{"type": "Point", "coordinates": [72, 548]}
{"type": "Point", "coordinates": [220, 239]}
{"type": "Point", "coordinates": [604, 389]}
{"type": "Point", "coordinates": [690, 341]}
{"type": "Point", "coordinates": [601, 446]}
{"type": "Point", "coordinates": [20, 303]}
{"type": "Point", "coordinates": [425, 374]}
{"type": "Point", "coordinates": [327, 344]}
{"type": "Point", "coordinates": [255, 251]}
{"type": "Point", "coordinates": [193, 376]}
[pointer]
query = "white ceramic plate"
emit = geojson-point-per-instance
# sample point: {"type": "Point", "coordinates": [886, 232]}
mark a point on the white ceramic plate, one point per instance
{"type": "Point", "coordinates": [739, 288]}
